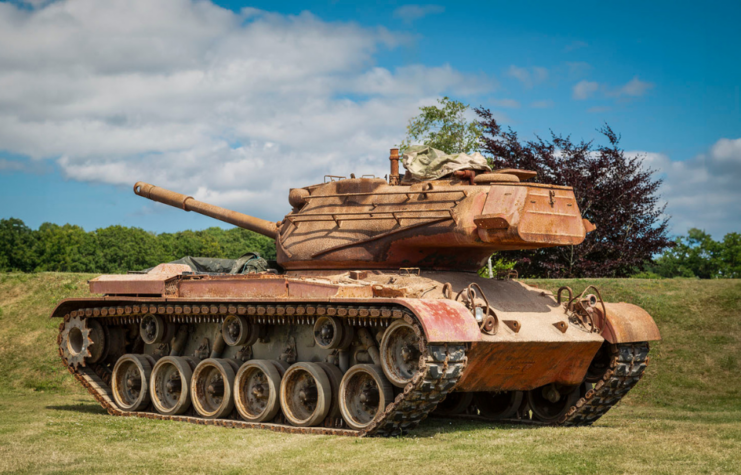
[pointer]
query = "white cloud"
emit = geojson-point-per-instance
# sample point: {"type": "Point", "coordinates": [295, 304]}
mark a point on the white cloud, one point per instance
{"type": "Point", "coordinates": [542, 104]}
{"type": "Point", "coordinates": [232, 107]}
{"type": "Point", "coordinates": [584, 90]}
{"type": "Point", "coordinates": [528, 76]}
{"type": "Point", "coordinates": [633, 88]}
{"type": "Point", "coordinates": [11, 165]}
{"type": "Point", "coordinates": [702, 192]}
{"type": "Point", "coordinates": [410, 13]}
{"type": "Point", "coordinates": [508, 103]}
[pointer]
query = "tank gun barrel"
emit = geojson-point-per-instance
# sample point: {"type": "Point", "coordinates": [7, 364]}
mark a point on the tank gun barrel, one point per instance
{"type": "Point", "coordinates": [188, 203]}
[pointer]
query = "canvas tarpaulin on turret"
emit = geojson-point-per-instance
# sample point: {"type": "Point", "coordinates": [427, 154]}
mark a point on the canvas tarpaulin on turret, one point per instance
{"type": "Point", "coordinates": [427, 163]}
{"type": "Point", "coordinates": [247, 264]}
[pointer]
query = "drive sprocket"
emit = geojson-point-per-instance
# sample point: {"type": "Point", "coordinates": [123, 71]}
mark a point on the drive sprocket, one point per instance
{"type": "Point", "coordinates": [78, 338]}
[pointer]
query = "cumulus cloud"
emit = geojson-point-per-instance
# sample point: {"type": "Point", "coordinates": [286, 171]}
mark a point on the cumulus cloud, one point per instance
{"type": "Point", "coordinates": [230, 107]}
{"type": "Point", "coordinates": [11, 165]}
{"type": "Point", "coordinates": [542, 104]}
{"type": "Point", "coordinates": [584, 90]}
{"type": "Point", "coordinates": [528, 76]}
{"type": "Point", "coordinates": [508, 103]}
{"type": "Point", "coordinates": [633, 88]}
{"type": "Point", "coordinates": [411, 13]}
{"type": "Point", "coordinates": [702, 192]}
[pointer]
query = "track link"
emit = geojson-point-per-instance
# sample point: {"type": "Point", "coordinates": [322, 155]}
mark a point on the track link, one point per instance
{"type": "Point", "coordinates": [627, 365]}
{"type": "Point", "coordinates": [440, 366]}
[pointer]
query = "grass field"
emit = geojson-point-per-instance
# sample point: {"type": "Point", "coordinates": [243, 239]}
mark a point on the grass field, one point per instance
{"type": "Point", "coordinates": [684, 417]}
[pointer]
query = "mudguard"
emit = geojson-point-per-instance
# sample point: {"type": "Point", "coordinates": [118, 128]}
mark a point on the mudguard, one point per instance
{"type": "Point", "coordinates": [628, 323]}
{"type": "Point", "coordinates": [444, 320]}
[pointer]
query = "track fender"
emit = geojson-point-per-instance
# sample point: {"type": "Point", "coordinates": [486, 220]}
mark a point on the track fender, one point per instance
{"type": "Point", "coordinates": [444, 320]}
{"type": "Point", "coordinates": [628, 323]}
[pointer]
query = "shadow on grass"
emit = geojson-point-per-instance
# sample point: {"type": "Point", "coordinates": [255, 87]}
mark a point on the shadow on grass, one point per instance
{"type": "Point", "coordinates": [437, 424]}
{"type": "Point", "coordinates": [86, 408]}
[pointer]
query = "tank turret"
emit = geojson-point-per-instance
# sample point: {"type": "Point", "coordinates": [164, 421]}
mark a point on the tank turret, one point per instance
{"type": "Point", "coordinates": [450, 223]}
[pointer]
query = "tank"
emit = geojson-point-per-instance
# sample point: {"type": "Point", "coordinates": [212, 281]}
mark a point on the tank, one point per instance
{"type": "Point", "coordinates": [373, 318]}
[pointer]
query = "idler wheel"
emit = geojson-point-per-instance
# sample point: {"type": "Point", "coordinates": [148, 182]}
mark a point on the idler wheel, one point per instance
{"type": "Point", "coordinates": [552, 401]}
{"type": "Point", "coordinates": [454, 403]}
{"type": "Point", "coordinates": [400, 353]}
{"type": "Point", "coordinates": [498, 405]}
{"type": "Point", "coordinates": [305, 394]}
{"type": "Point", "coordinates": [330, 333]}
{"type": "Point", "coordinates": [130, 381]}
{"type": "Point", "coordinates": [364, 393]}
{"type": "Point", "coordinates": [256, 390]}
{"type": "Point", "coordinates": [170, 384]}
{"type": "Point", "coordinates": [153, 329]}
{"type": "Point", "coordinates": [238, 331]}
{"type": "Point", "coordinates": [211, 388]}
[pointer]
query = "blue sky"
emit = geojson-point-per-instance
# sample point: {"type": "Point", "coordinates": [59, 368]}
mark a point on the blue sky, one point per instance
{"type": "Point", "coordinates": [236, 105]}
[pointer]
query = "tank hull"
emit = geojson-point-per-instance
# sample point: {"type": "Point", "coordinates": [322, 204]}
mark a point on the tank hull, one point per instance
{"type": "Point", "coordinates": [535, 344]}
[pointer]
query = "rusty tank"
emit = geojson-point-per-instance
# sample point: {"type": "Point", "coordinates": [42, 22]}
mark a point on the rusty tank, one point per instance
{"type": "Point", "coordinates": [373, 318]}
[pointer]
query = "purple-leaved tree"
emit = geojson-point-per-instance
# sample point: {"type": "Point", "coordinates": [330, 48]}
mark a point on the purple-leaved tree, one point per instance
{"type": "Point", "coordinates": [614, 191]}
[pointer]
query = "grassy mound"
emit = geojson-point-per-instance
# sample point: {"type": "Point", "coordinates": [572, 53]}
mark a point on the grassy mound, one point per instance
{"type": "Point", "coordinates": [697, 363]}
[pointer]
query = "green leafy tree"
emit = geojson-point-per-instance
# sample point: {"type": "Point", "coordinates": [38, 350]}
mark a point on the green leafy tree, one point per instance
{"type": "Point", "coordinates": [16, 246]}
{"type": "Point", "coordinates": [58, 248]}
{"type": "Point", "coordinates": [731, 255]}
{"type": "Point", "coordinates": [116, 249]}
{"type": "Point", "coordinates": [698, 255]}
{"type": "Point", "coordinates": [444, 127]}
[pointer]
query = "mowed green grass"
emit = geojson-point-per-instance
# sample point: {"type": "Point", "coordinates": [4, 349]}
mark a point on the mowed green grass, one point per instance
{"type": "Point", "coordinates": [684, 417]}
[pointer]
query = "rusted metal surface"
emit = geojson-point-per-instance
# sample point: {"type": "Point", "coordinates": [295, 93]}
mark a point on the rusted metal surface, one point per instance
{"type": "Point", "coordinates": [521, 174]}
{"type": "Point", "coordinates": [526, 365]}
{"type": "Point", "coordinates": [368, 223]}
{"type": "Point", "coordinates": [152, 283]}
{"type": "Point", "coordinates": [233, 286]}
{"type": "Point", "coordinates": [627, 323]}
{"type": "Point", "coordinates": [444, 320]}
{"type": "Point", "coordinates": [187, 203]}
{"type": "Point", "coordinates": [394, 159]}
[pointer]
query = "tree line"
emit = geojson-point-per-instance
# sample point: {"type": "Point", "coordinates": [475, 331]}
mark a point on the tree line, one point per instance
{"type": "Point", "coordinates": [698, 255]}
{"type": "Point", "coordinates": [116, 249]}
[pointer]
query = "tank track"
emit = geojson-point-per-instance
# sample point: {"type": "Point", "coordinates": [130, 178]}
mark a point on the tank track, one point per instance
{"type": "Point", "coordinates": [440, 365]}
{"type": "Point", "coordinates": [628, 362]}
{"type": "Point", "coordinates": [627, 365]}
